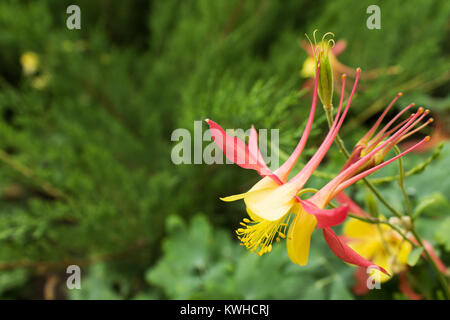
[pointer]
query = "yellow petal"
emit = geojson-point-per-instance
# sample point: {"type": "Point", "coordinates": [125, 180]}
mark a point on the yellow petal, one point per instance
{"type": "Point", "coordinates": [382, 260]}
{"type": "Point", "coordinates": [234, 197]}
{"type": "Point", "coordinates": [405, 249]}
{"type": "Point", "coordinates": [253, 216]}
{"type": "Point", "coordinates": [366, 248]}
{"type": "Point", "coordinates": [299, 236]}
{"type": "Point", "coordinates": [358, 229]}
{"type": "Point", "coordinates": [272, 203]}
{"type": "Point", "coordinates": [264, 184]}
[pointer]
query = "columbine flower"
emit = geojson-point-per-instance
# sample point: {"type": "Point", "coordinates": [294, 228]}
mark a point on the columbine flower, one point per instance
{"type": "Point", "coordinates": [382, 245]}
{"type": "Point", "coordinates": [273, 204]}
{"type": "Point", "coordinates": [274, 209]}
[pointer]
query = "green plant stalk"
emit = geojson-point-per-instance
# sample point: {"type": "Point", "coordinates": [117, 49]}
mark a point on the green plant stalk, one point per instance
{"type": "Point", "coordinates": [341, 146]}
{"type": "Point", "coordinates": [401, 182]}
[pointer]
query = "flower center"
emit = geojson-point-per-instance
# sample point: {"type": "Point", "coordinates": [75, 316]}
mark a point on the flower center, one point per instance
{"type": "Point", "coordinates": [258, 234]}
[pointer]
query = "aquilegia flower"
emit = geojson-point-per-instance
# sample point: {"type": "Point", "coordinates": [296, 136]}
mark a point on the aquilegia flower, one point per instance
{"type": "Point", "coordinates": [274, 206]}
{"type": "Point", "coordinates": [382, 245]}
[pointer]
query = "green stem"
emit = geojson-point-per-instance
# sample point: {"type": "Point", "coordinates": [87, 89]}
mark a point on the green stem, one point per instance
{"type": "Point", "coordinates": [401, 182]}
{"type": "Point", "coordinates": [381, 198]}
{"type": "Point", "coordinates": [338, 140]}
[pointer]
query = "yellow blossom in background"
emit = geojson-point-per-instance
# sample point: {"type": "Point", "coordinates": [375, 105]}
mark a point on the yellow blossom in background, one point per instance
{"type": "Point", "coordinates": [31, 67]}
{"type": "Point", "coordinates": [308, 68]}
{"type": "Point", "coordinates": [380, 244]}
{"type": "Point", "coordinates": [30, 62]}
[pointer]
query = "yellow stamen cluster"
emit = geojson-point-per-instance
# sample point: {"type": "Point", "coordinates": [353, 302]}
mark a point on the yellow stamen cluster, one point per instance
{"type": "Point", "coordinates": [258, 234]}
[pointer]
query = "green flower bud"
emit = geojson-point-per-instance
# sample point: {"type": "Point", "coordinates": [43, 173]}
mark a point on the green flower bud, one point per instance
{"type": "Point", "coordinates": [325, 88]}
{"type": "Point", "coordinates": [323, 56]}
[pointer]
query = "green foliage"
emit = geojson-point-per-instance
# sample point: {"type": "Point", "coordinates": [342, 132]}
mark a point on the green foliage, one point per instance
{"type": "Point", "coordinates": [10, 280]}
{"type": "Point", "coordinates": [202, 262]}
{"type": "Point", "coordinates": [443, 234]}
{"type": "Point", "coordinates": [414, 256]}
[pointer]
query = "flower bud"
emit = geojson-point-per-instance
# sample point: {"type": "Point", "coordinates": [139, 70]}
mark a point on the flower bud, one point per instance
{"type": "Point", "coordinates": [325, 88]}
{"type": "Point", "coordinates": [322, 55]}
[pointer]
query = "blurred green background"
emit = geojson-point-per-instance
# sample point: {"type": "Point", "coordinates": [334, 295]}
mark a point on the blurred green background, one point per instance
{"type": "Point", "coordinates": [86, 176]}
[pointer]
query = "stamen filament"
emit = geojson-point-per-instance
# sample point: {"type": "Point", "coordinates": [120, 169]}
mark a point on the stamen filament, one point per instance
{"type": "Point", "coordinates": [354, 179]}
{"type": "Point", "coordinates": [369, 134]}
{"type": "Point", "coordinates": [393, 120]}
{"type": "Point", "coordinates": [417, 129]}
{"type": "Point", "coordinates": [347, 173]}
{"type": "Point", "coordinates": [374, 143]}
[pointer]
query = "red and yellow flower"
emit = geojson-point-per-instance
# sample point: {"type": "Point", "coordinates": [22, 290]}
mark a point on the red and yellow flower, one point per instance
{"type": "Point", "coordinates": [275, 209]}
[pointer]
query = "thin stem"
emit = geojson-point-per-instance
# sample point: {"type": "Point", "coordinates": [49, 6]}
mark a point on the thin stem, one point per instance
{"type": "Point", "coordinates": [307, 190]}
{"type": "Point", "coordinates": [401, 182]}
{"type": "Point", "coordinates": [339, 141]}
{"type": "Point", "coordinates": [381, 198]}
